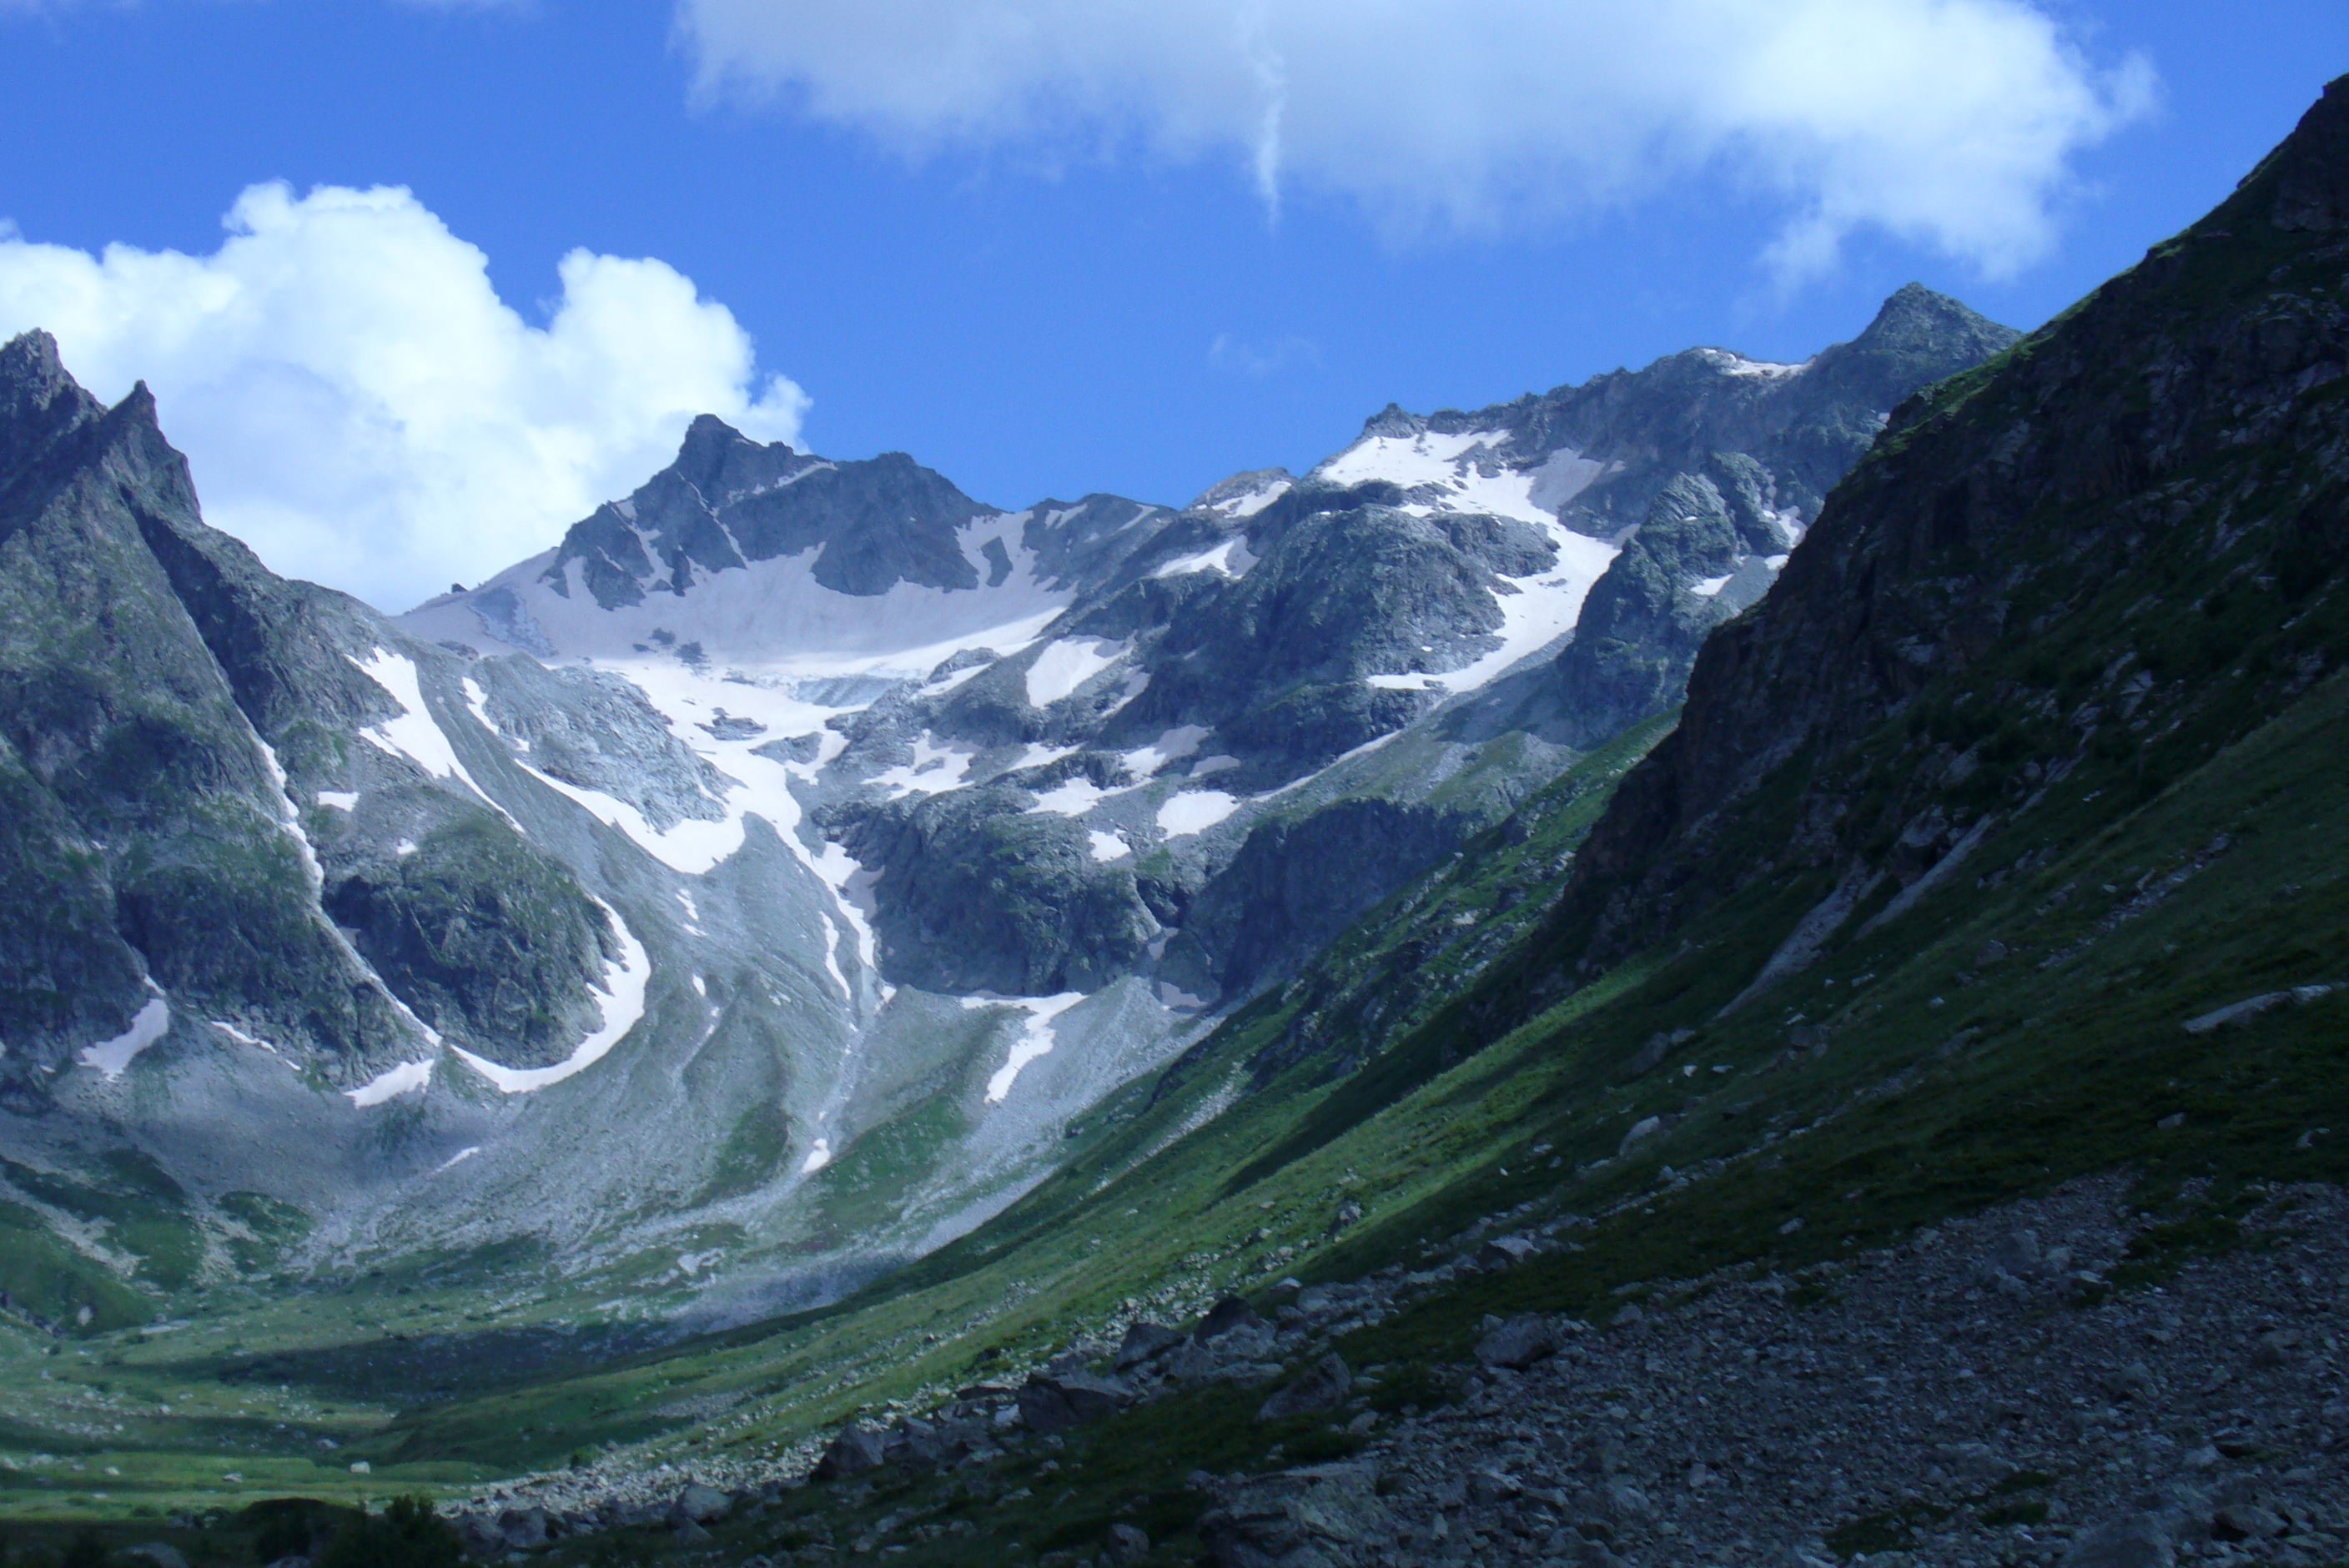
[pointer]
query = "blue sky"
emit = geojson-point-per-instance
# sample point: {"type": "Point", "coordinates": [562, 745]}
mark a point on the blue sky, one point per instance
{"type": "Point", "coordinates": [1039, 296]}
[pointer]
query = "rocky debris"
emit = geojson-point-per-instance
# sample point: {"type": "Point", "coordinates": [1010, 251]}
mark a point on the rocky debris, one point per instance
{"type": "Point", "coordinates": [1058, 1400]}
{"type": "Point", "coordinates": [1145, 1342]}
{"type": "Point", "coordinates": [1978, 1395]}
{"type": "Point", "coordinates": [701, 1505]}
{"type": "Point", "coordinates": [1518, 1343]}
{"type": "Point", "coordinates": [158, 1555]}
{"type": "Point", "coordinates": [1321, 1387]}
{"type": "Point", "coordinates": [1323, 1516]}
{"type": "Point", "coordinates": [1227, 1315]}
{"type": "Point", "coordinates": [856, 1450]}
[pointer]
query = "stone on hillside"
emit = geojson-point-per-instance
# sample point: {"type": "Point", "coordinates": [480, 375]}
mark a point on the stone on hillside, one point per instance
{"type": "Point", "coordinates": [1127, 1543]}
{"type": "Point", "coordinates": [1057, 1401]}
{"type": "Point", "coordinates": [1505, 1252]}
{"type": "Point", "coordinates": [2136, 1542]}
{"type": "Point", "coordinates": [481, 1536]}
{"type": "Point", "coordinates": [1231, 1313]}
{"type": "Point", "coordinates": [523, 1529]}
{"type": "Point", "coordinates": [1321, 1387]}
{"type": "Point", "coordinates": [1518, 1343]}
{"type": "Point", "coordinates": [1324, 1516]}
{"type": "Point", "coordinates": [856, 1450]}
{"type": "Point", "coordinates": [1646, 1127]}
{"type": "Point", "coordinates": [702, 1505]}
{"type": "Point", "coordinates": [1145, 1342]}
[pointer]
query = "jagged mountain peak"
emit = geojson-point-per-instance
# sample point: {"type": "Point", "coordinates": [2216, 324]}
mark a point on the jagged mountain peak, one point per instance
{"type": "Point", "coordinates": [2311, 168]}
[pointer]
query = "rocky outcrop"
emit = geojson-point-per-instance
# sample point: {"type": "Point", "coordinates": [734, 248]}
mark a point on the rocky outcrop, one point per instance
{"type": "Point", "coordinates": [2032, 502]}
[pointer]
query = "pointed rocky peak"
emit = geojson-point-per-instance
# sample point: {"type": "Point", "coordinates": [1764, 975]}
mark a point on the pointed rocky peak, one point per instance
{"type": "Point", "coordinates": [2311, 168]}
{"type": "Point", "coordinates": [38, 398]}
{"type": "Point", "coordinates": [708, 440]}
{"type": "Point", "coordinates": [1917, 319]}
{"type": "Point", "coordinates": [1393, 421]}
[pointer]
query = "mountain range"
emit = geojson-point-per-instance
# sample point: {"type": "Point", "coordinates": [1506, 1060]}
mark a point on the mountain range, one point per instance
{"type": "Point", "coordinates": [794, 814]}
{"type": "Point", "coordinates": [1349, 1022]}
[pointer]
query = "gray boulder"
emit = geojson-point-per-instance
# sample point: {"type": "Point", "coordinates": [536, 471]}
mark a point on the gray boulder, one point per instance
{"type": "Point", "coordinates": [854, 1451]}
{"type": "Point", "coordinates": [2139, 1540]}
{"type": "Point", "coordinates": [1057, 1401]}
{"type": "Point", "coordinates": [523, 1529]}
{"type": "Point", "coordinates": [1145, 1342]}
{"type": "Point", "coordinates": [701, 1505]}
{"type": "Point", "coordinates": [1518, 1343]}
{"type": "Point", "coordinates": [1323, 1516]}
{"type": "Point", "coordinates": [1321, 1387]}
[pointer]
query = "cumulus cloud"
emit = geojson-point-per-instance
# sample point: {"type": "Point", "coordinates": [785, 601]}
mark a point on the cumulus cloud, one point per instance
{"type": "Point", "coordinates": [1951, 124]}
{"type": "Point", "coordinates": [361, 407]}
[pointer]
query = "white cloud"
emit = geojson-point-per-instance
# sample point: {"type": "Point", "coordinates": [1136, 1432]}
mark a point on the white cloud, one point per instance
{"type": "Point", "coordinates": [361, 407]}
{"type": "Point", "coordinates": [1947, 123]}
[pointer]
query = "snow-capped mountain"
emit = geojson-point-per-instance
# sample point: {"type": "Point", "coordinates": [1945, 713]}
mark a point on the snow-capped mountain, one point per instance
{"type": "Point", "coordinates": [771, 872]}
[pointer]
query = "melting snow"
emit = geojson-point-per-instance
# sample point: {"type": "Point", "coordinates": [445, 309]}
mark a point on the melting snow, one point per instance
{"type": "Point", "coordinates": [1710, 586]}
{"type": "Point", "coordinates": [408, 1078]}
{"type": "Point", "coordinates": [934, 771]}
{"type": "Point", "coordinates": [1036, 1035]}
{"type": "Point", "coordinates": [1738, 364]}
{"type": "Point", "coordinates": [818, 1157]}
{"type": "Point", "coordinates": [1232, 558]}
{"type": "Point", "coordinates": [692, 846]}
{"type": "Point", "coordinates": [1172, 747]}
{"type": "Point", "coordinates": [623, 1004]}
{"type": "Point", "coordinates": [1195, 811]}
{"type": "Point", "coordinates": [1073, 797]}
{"type": "Point", "coordinates": [457, 1159]}
{"type": "Point", "coordinates": [1066, 665]}
{"type": "Point", "coordinates": [1542, 610]}
{"type": "Point", "coordinates": [113, 1056]}
{"type": "Point", "coordinates": [1249, 502]}
{"type": "Point", "coordinates": [1108, 846]}
{"type": "Point", "coordinates": [1037, 755]}
{"type": "Point", "coordinates": [413, 734]}
{"type": "Point", "coordinates": [340, 800]}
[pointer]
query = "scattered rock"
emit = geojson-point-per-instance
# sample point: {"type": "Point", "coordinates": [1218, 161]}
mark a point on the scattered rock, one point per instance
{"type": "Point", "coordinates": [1518, 1343]}
{"type": "Point", "coordinates": [1321, 1387]}
{"type": "Point", "coordinates": [856, 1450]}
{"type": "Point", "coordinates": [1231, 1313]}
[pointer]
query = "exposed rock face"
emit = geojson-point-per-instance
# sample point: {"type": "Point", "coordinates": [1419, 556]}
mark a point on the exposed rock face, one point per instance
{"type": "Point", "coordinates": [2032, 501]}
{"type": "Point", "coordinates": [169, 710]}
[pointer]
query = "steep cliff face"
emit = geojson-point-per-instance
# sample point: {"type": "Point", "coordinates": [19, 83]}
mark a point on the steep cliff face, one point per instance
{"type": "Point", "coordinates": [2127, 533]}
{"type": "Point", "coordinates": [172, 718]}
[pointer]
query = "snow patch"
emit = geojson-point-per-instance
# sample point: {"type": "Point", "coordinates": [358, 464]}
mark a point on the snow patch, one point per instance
{"type": "Point", "coordinates": [1036, 1035]}
{"type": "Point", "coordinates": [1248, 503]}
{"type": "Point", "coordinates": [413, 734]}
{"type": "Point", "coordinates": [1065, 665]}
{"type": "Point", "coordinates": [1172, 747]}
{"type": "Point", "coordinates": [408, 1078]}
{"type": "Point", "coordinates": [691, 846]}
{"type": "Point", "coordinates": [934, 771]}
{"type": "Point", "coordinates": [340, 800]}
{"type": "Point", "coordinates": [1195, 811]}
{"type": "Point", "coordinates": [113, 1056]}
{"type": "Point", "coordinates": [1232, 558]}
{"type": "Point", "coordinates": [818, 1157]}
{"type": "Point", "coordinates": [624, 983]}
{"type": "Point", "coordinates": [456, 1159]}
{"type": "Point", "coordinates": [1108, 846]}
{"type": "Point", "coordinates": [1710, 586]}
{"type": "Point", "coordinates": [1071, 798]}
